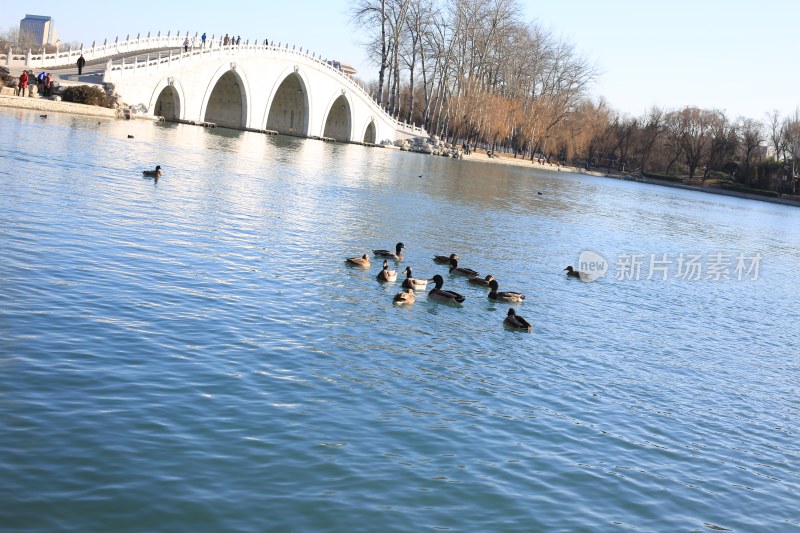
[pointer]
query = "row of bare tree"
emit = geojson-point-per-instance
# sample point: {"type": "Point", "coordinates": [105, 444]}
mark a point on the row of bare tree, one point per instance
{"type": "Point", "coordinates": [470, 71]}
{"type": "Point", "coordinates": [687, 142]}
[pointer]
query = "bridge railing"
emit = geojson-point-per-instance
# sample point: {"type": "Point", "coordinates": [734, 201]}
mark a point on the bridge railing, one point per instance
{"type": "Point", "coordinates": [28, 58]}
{"type": "Point", "coordinates": [152, 60]}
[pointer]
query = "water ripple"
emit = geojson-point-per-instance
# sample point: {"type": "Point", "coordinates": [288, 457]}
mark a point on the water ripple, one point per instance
{"type": "Point", "coordinates": [193, 354]}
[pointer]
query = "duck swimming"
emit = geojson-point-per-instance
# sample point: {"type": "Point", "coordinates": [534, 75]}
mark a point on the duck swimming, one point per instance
{"type": "Point", "coordinates": [514, 321]}
{"type": "Point", "coordinates": [442, 295]}
{"type": "Point", "coordinates": [413, 283]}
{"type": "Point", "coordinates": [404, 298]}
{"type": "Point", "coordinates": [572, 273]}
{"type": "Point", "coordinates": [483, 282]}
{"type": "Point", "coordinates": [362, 261]}
{"type": "Point", "coordinates": [445, 259]}
{"type": "Point", "coordinates": [504, 296]}
{"type": "Point", "coordinates": [152, 173]}
{"type": "Point", "coordinates": [397, 255]}
{"type": "Point", "coordinates": [459, 271]}
{"type": "Point", "coordinates": [386, 274]}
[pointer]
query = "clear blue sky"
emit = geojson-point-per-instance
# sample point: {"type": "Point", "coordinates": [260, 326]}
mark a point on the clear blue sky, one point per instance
{"type": "Point", "coordinates": [734, 55]}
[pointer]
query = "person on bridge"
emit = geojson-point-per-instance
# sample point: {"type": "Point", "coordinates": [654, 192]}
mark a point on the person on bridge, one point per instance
{"type": "Point", "coordinates": [81, 63]}
{"type": "Point", "coordinates": [226, 41]}
{"type": "Point", "coordinates": [186, 44]}
{"type": "Point", "coordinates": [23, 83]}
{"type": "Point", "coordinates": [203, 39]}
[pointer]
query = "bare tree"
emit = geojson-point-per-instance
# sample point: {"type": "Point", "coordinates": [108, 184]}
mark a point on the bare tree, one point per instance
{"type": "Point", "coordinates": [622, 131]}
{"type": "Point", "coordinates": [750, 135]}
{"type": "Point", "coordinates": [672, 147]}
{"type": "Point", "coordinates": [397, 15]}
{"type": "Point", "coordinates": [370, 14]}
{"type": "Point", "coordinates": [10, 37]}
{"type": "Point", "coordinates": [792, 126]}
{"type": "Point", "coordinates": [417, 23]}
{"type": "Point", "coordinates": [777, 134]}
{"type": "Point", "coordinates": [692, 128]}
{"type": "Point", "coordinates": [485, 76]}
{"type": "Point", "coordinates": [649, 135]}
{"type": "Point", "coordinates": [721, 144]}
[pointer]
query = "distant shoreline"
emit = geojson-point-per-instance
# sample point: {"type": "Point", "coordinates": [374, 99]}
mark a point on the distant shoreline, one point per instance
{"type": "Point", "coordinates": [40, 104]}
{"type": "Point", "coordinates": [724, 192]}
{"type": "Point", "coordinates": [481, 157]}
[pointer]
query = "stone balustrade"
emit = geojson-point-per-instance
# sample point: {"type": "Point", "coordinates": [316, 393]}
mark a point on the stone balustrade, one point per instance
{"type": "Point", "coordinates": [61, 58]}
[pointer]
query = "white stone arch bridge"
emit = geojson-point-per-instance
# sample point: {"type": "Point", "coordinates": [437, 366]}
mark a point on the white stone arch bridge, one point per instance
{"type": "Point", "coordinates": [248, 86]}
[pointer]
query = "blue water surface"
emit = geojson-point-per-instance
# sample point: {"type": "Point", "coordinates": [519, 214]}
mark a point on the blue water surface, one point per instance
{"type": "Point", "coordinates": [193, 354]}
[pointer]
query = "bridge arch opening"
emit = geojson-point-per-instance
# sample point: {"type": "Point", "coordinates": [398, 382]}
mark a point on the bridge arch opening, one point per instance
{"type": "Point", "coordinates": [338, 123]}
{"type": "Point", "coordinates": [369, 134]}
{"type": "Point", "coordinates": [168, 104]}
{"type": "Point", "coordinates": [226, 104]}
{"type": "Point", "coordinates": [288, 113]}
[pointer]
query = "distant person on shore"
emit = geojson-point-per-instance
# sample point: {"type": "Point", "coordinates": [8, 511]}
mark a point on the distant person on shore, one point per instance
{"type": "Point", "coordinates": [81, 63]}
{"type": "Point", "coordinates": [186, 44]}
{"type": "Point", "coordinates": [48, 84]}
{"type": "Point", "coordinates": [203, 40]}
{"type": "Point", "coordinates": [23, 83]}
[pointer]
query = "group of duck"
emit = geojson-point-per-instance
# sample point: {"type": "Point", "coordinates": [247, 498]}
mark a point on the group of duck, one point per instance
{"type": "Point", "coordinates": [411, 284]}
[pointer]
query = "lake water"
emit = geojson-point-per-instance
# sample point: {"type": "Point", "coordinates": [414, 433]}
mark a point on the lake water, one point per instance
{"type": "Point", "coordinates": [192, 354]}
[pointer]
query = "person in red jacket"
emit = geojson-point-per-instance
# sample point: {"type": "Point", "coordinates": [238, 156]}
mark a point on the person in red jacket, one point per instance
{"type": "Point", "coordinates": [23, 83]}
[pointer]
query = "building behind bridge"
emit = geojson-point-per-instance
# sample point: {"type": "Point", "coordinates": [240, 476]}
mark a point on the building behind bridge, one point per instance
{"type": "Point", "coordinates": [37, 29]}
